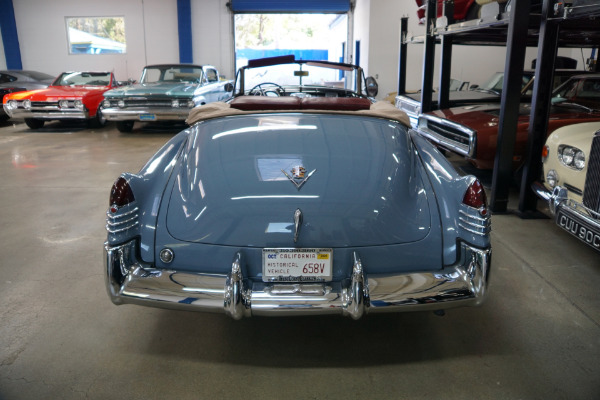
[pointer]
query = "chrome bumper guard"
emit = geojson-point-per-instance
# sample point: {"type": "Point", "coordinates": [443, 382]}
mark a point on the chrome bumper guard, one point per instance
{"type": "Point", "coordinates": [130, 281]}
{"type": "Point", "coordinates": [144, 114]}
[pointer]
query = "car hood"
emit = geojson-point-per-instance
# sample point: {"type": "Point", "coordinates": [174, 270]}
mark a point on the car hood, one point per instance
{"type": "Point", "coordinates": [363, 183]}
{"type": "Point", "coordinates": [154, 89]}
{"type": "Point", "coordinates": [53, 93]}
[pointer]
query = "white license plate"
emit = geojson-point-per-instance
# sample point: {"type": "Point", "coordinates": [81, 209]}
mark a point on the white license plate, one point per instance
{"type": "Point", "coordinates": [147, 117]}
{"type": "Point", "coordinates": [297, 265]}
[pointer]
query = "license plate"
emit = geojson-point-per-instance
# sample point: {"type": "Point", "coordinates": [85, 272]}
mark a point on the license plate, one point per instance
{"type": "Point", "coordinates": [582, 230]}
{"type": "Point", "coordinates": [297, 265]}
{"type": "Point", "coordinates": [147, 117]}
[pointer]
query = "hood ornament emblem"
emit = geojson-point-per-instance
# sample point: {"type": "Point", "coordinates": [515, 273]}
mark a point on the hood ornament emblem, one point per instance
{"type": "Point", "coordinates": [297, 223]}
{"type": "Point", "coordinates": [298, 175]}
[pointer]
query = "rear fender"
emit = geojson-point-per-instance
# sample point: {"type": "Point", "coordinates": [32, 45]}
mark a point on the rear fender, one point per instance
{"type": "Point", "coordinates": [148, 187]}
{"type": "Point", "coordinates": [449, 187]}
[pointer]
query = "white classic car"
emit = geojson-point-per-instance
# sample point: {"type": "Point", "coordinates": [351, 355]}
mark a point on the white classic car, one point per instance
{"type": "Point", "coordinates": [571, 184]}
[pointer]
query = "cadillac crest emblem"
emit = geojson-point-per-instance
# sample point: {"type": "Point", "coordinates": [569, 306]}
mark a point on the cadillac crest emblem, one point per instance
{"type": "Point", "coordinates": [298, 175]}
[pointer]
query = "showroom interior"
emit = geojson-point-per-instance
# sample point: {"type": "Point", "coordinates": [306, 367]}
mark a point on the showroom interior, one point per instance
{"type": "Point", "coordinates": [536, 335]}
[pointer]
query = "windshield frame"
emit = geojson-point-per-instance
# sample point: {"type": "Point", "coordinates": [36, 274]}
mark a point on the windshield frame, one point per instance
{"type": "Point", "coordinates": [353, 81]}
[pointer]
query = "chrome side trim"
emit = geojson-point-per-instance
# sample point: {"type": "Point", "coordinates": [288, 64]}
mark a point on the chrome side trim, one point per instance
{"type": "Point", "coordinates": [129, 280]}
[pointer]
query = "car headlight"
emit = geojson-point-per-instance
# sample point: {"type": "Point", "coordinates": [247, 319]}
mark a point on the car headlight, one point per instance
{"type": "Point", "coordinates": [552, 178]}
{"type": "Point", "coordinates": [12, 104]}
{"type": "Point", "coordinates": [106, 103]}
{"type": "Point", "coordinates": [191, 104]}
{"type": "Point", "coordinates": [579, 160]}
{"type": "Point", "coordinates": [79, 104]}
{"type": "Point", "coordinates": [27, 104]}
{"type": "Point", "coordinates": [63, 104]}
{"type": "Point", "coordinates": [175, 103]}
{"type": "Point", "coordinates": [121, 103]}
{"type": "Point", "coordinates": [571, 157]}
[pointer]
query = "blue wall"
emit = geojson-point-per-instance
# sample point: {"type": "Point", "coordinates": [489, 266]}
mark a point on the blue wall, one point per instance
{"type": "Point", "coordinates": [10, 39]}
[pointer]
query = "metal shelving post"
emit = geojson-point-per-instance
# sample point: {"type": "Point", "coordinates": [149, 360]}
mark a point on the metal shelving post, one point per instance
{"type": "Point", "coordinates": [428, 56]}
{"type": "Point", "coordinates": [540, 109]}
{"type": "Point", "coordinates": [509, 111]}
{"type": "Point", "coordinates": [402, 56]}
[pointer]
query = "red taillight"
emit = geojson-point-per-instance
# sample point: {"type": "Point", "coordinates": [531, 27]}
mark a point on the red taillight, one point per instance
{"type": "Point", "coordinates": [545, 152]}
{"type": "Point", "coordinates": [120, 194]}
{"type": "Point", "coordinates": [475, 197]}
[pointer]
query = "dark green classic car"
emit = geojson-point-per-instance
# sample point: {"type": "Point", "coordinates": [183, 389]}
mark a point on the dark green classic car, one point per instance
{"type": "Point", "coordinates": [166, 92]}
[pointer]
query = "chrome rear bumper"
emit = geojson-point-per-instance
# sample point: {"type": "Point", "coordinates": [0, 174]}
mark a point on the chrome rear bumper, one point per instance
{"type": "Point", "coordinates": [130, 281]}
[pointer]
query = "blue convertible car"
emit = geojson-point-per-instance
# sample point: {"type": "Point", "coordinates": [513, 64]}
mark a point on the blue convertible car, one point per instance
{"type": "Point", "coordinates": [297, 205]}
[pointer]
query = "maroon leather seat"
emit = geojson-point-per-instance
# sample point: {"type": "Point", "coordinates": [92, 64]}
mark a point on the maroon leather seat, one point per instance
{"type": "Point", "coordinates": [336, 103]}
{"type": "Point", "coordinates": [258, 103]}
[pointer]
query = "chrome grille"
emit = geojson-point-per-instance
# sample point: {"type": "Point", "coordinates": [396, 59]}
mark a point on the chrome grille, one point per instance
{"type": "Point", "coordinates": [449, 132]}
{"type": "Point", "coordinates": [451, 135]}
{"type": "Point", "coordinates": [121, 222]}
{"type": "Point", "coordinates": [591, 189]}
{"type": "Point", "coordinates": [147, 103]}
{"type": "Point", "coordinates": [44, 104]}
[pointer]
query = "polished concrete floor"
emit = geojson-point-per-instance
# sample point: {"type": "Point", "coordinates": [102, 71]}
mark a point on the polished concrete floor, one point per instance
{"type": "Point", "coordinates": [536, 337]}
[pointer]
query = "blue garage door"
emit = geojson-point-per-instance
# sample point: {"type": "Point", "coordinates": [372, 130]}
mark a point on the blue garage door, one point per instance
{"type": "Point", "coordinates": [290, 6]}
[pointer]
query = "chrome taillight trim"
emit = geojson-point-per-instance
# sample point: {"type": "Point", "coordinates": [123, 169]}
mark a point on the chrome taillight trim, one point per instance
{"type": "Point", "coordinates": [122, 222]}
{"type": "Point", "coordinates": [477, 225]}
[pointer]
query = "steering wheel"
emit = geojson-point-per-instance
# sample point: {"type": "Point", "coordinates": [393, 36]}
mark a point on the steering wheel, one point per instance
{"type": "Point", "coordinates": [263, 89]}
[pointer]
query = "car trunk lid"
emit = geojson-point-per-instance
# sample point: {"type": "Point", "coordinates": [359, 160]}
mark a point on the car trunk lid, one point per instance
{"type": "Point", "coordinates": [354, 181]}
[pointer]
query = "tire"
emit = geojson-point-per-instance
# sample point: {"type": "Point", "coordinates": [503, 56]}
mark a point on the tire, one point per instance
{"type": "Point", "coordinates": [33, 123]}
{"type": "Point", "coordinates": [97, 121]}
{"type": "Point", "coordinates": [125, 126]}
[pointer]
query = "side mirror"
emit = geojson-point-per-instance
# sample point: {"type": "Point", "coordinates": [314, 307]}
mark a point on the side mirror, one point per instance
{"type": "Point", "coordinates": [229, 87]}
{"type": "Point", "coordinates": [372, 87]}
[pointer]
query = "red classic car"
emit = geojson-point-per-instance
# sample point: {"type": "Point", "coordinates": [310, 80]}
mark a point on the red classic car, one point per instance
{"type": "Point", "coordinates": [73, 95]}
{"type": "Point", "coordinates": [472, 131]}
{"type": "Point", "coordinates": [463, 9]}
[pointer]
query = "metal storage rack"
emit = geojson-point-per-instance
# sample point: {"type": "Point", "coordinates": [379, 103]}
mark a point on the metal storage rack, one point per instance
{"type": "Point", "coordinates": [561, 23]}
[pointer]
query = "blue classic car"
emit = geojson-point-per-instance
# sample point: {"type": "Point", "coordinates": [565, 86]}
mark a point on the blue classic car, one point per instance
{"type": "Point", "coordinates": [166, 92]}
{"type": "Point", "coordinates": [290, 206]}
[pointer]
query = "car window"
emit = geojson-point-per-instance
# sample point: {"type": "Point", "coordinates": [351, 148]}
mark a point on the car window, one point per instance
{"type": "Point", "coordinates": [182, 74]}
{"type": "Point", "coordinates": [211, 75]}
{"type": "Point", "coordinates": [5, 78]}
